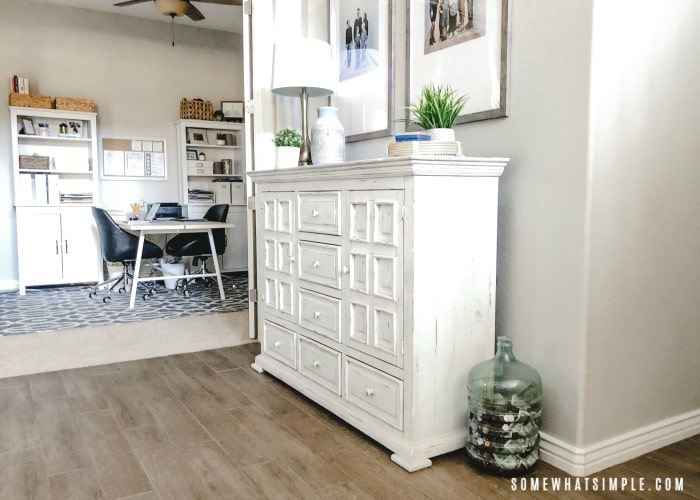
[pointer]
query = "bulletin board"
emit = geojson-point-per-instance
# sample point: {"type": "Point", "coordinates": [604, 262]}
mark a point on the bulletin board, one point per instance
{"type": "Point", "coordinates": [133, 158]}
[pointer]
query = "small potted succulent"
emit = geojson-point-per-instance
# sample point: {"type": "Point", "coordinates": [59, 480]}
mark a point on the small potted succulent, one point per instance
{"type": "Point", "coordinates": [436, 110]}
{"type": "Point", "coordinates": [288, 142]}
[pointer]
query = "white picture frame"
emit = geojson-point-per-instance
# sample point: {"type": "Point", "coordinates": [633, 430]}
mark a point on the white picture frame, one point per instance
{"type": "Point", "coordinates": [197, 136]}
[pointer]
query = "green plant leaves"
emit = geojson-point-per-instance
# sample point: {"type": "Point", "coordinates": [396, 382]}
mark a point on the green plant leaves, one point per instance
{"type": "Point", "coordinates": [437, 106]}
{"type": "Point", "coordinates": [288, 137]}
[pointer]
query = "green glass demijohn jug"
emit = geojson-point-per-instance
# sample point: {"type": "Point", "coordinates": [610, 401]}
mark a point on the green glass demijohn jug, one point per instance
{"type": "Point", "coordinates": [505, 410]}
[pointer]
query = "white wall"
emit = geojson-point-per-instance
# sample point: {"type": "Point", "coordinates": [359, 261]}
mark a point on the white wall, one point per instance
{"type": "Point", "coordinates": [131, 71]}
{"type": "Point", "coordinates": [643, 336]}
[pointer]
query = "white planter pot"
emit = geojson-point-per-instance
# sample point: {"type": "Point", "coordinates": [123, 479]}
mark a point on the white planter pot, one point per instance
{"type": "Point", "coordinates": [441, 134]}
{"type": "Point", "coordinates": [287, 157]}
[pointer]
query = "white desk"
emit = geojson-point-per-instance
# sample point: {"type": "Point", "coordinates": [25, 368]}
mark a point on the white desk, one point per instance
{"type": "Point", "coordinates": [163, 227]}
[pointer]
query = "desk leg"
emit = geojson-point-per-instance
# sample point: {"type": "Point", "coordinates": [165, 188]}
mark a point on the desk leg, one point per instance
{"type": "Point", "coordinates": [216, 263]}
{"type": "Point", "coordinates": [137, 270]}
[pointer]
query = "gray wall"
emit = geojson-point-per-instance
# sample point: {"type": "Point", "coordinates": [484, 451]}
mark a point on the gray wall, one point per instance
{"type": "Point", "coordinates": [131, 71]}
{"type": "Point", "coordinates": [598, 234]}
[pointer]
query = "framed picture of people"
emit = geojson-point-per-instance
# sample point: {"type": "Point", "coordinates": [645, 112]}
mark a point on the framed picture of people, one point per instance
{"type": "Point", "coordinates": [362, 36]}
{"type": "Point", "coordinates": [464, 44]}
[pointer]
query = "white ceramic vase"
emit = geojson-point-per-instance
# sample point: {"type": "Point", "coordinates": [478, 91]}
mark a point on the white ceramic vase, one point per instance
{"type": "Point", "coordinates": [287, 157]}
{"type": "Point", "coordinates": [327, 137]}
{"type": "Point", "coordinates": [441, 134]}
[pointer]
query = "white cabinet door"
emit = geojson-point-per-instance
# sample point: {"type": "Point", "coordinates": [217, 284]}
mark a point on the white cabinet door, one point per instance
{"type": "Point", "coordinates": [80, 246]}
{"type": "Point", "coordinates": [373, 298]}
{"type": "Point", "coordinates": [39, 247]}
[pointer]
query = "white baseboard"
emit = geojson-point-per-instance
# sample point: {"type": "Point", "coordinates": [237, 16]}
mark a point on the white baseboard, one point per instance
{"type": "Point", "coordinates": [8, 285]}
{"type": "Point", "coordinates": [586, 461]}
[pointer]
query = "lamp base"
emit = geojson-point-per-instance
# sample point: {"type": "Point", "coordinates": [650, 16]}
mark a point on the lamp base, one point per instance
{"type": "Point", "coordinates": [305, 150]}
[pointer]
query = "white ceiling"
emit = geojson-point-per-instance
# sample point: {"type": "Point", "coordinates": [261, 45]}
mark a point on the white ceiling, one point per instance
{"type": "Point", "coordinates": [218, 17]}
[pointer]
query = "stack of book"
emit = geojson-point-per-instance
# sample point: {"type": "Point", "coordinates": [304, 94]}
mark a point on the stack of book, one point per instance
{"type": "Point", "coordinates": [19, 85]}
{"type": "Point", "coordinates": [421, 144]}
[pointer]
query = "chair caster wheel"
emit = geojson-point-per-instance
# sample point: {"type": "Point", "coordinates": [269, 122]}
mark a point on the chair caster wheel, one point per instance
{"type": "Point", "coordinates": [146, 296]}
{"type": "Point", "coordinates": [122, 290]}
{"type": "Point", "coordinates": [107, 300]}
{"type": "Point", "coordinates": [178, 288]}
{"type": "Point", "coordinates": [152, 291]}
{"type": "Point", "coordinates": [186, 293]}
{"type": "Point", "coordinates": [92, 295]}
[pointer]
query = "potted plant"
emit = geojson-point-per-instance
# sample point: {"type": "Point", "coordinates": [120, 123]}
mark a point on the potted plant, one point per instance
{"type": "Point", "coordinates": [288, 142]}
{"type": "Point", "coordinates": [436, 110]}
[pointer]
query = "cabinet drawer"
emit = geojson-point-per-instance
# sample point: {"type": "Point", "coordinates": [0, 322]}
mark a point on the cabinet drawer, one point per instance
{"type": "Point", "coordinates": [320, 364]}
{"type": "Point", "coordinates": [279, 343]}
{"type": "Point", "coordinates": [320, 212]}
{"type": "Point", "coordinates": [375, 392]}
{"type": "Point", "coordinates": [319, 263]}
{"type": "Point", "coordinates": [320, 313]}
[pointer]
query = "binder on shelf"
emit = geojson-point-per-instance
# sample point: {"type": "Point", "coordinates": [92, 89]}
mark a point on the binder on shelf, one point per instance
{"type": "Point", "coordinates": [53, 190]}
{"type": "Point", "coordinates": [40, 189]}
{"type": "Point", "coordinates": [25, 193]}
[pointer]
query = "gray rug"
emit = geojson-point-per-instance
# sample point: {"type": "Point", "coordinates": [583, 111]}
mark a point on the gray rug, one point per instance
{"type": "Point", "coordinates": [65, 307]}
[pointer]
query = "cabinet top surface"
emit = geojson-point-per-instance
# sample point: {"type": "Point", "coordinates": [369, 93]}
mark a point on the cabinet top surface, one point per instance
{"type": "Point", "coordinates": [417, 165]}
{"type": "Point", "coordinates": [49, 112]}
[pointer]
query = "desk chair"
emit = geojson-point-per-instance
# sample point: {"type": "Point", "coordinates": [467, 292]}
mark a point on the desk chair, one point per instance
{"type": "Point", "coordinates": [119, 246]}
{"type": "Point", "coordinates": [196, 245]}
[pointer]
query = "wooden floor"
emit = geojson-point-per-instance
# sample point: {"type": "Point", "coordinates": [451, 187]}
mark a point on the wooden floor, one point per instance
{"type": "Point", "coordinates": [205, 425]}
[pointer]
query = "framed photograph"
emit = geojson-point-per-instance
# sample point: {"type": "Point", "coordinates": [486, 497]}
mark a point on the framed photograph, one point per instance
{"type": "Point", "coordinates": [233, 111]}
{"type": "Point", "coordinates": [362, 36]}
{"type": "Point", "coordinates": [28, 126]}
{"type": "Point", "coordinates": [197, 136]}
{"type": "Point", "coordinates": [473, 32]}
{"type": "Point", "coordinates": [191, 154]}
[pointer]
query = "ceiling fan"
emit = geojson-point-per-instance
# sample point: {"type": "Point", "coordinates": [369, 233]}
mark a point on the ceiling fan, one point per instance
{"type": "Point", "coordinates": [176, 8]}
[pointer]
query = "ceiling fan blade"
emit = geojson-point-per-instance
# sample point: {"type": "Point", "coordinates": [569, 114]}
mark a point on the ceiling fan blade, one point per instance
{"type": "Point", "coordinates": [222, 2]}
{"type": "Point", "coordinates": [130, 2]}
{"type": "Point", "coordinates": [193, 12]}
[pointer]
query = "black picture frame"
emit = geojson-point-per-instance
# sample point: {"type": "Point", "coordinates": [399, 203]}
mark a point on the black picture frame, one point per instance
{"type": "Point", "coordinates": [191, 154]}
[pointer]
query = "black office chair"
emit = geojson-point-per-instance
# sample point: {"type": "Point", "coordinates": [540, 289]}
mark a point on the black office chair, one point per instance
{"type": "Point", "coordinates": [119, 246]}
{"type": "Point", "coordinates": [196, 245]}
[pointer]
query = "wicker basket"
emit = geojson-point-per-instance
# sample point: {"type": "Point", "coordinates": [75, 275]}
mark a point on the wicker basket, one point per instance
{"type": "Point", "coordinates": [75, 104]}
{"type": "Point", "coordinates": [196, 109]}
{"type": "Point", "coordinates": [30, 101]}
{"type": "Point", "coordinates": [34, 162]}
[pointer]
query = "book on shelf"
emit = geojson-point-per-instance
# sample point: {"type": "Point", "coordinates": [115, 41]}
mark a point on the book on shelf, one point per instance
{"type": "Point", "coordinates": [19, 85]}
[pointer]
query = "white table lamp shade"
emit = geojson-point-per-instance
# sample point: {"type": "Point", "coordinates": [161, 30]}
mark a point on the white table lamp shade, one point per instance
{"type": "Point", "coordinates": [303, 62]}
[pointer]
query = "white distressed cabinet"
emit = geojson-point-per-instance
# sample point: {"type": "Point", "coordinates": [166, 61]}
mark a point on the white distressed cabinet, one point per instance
{"type": "Point", "coordinates": [376, 291]}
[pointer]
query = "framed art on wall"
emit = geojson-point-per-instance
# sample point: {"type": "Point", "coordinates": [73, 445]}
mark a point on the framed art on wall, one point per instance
{"type": "Point", "coordinates": [362, 37]}
{"type": "Point", "coordinates": [464, 44]}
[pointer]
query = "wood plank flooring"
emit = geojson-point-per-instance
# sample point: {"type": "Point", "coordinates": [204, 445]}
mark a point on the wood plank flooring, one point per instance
{"type": "Point", "coordinates": [204, 425]}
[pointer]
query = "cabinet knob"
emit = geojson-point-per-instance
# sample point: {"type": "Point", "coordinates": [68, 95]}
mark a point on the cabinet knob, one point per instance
{"type": "Point", "coordinates": [369, 391]}
{"type": "Point", "coordinates": [317, 314]}
{"type": "Point", "coordinates": [316, 363]}
{"type": "Point", "coordinates": [316, 263]}
{"type": "Point", "coordinates": [346, 269]}
{"type": "Point", "coordinates": [315, 213]}
{"type": "Point", "coordinates": [277, 343]}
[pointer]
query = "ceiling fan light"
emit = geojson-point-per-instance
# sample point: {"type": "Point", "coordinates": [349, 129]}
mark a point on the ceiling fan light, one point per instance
{"type": "Point", "coordinates": [171, 7]}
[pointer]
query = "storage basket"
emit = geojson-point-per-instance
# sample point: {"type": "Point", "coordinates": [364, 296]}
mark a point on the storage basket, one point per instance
{"type": "Point", "coordinates": [75, 104]}
{"type": "Point", "coordinates": [30, 101]}
{"type": "Point", "coordinates": [196, 109]}
{"type": "Point", "coordinates": [34, 162]}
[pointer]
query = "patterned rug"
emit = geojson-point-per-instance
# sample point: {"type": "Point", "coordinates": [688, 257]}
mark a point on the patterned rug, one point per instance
{"type": "Point", "coordinates": [63, 307]}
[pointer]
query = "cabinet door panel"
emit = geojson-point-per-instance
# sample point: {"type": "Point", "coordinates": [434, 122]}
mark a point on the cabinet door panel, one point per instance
{"type": "Point", "coordinates": [81, 252]}
{"type": "Point", "coordinates": [39, 247]}
{"type": "Point", "coordinates": [374, 295]}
